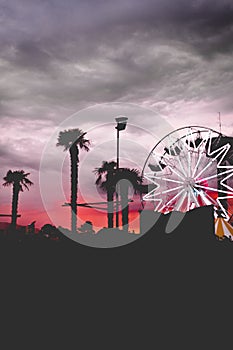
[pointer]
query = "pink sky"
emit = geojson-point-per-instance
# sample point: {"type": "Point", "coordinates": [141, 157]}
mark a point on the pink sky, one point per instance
{"type": "Point", "coordinates": [164, 65]}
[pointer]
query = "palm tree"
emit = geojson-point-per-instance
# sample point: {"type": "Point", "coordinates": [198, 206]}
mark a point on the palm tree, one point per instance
{"type": "Point", "coordinates": [127, 178]}
{"type": "Point", "coordinates": [105, 181]}
{"type": "Point", "coordinates": [73, 140]}
{"type": "Point", "coordinates": [19, 181]}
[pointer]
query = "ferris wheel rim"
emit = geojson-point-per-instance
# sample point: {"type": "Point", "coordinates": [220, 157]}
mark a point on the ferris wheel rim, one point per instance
{"type": "Point", "coordinates": [170, 133]}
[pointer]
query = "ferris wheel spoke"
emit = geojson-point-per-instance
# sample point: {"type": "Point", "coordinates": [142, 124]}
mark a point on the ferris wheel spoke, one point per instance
{"type": "Point", "coordinates": [204, 198]}
{"type": "Point", "coordinates": [172, 199]}
{"type": "Point", "coordinates": [176, 172]}
{"type": "Point", "coordinates": [170, 165]}
{"type": "Point", "coordinates": [220, 152]}
{"type": "Point", "coordinates": [216, 176]}
{"type": "Point", "coordinates": [163, 178]}
{"type": "Point", "coordinates": [194, 198]}
{"type": "Point", "coordinates": [181, 166]}
{"type": "Point", "coordinates": [226, 212]}
{"type": "Point", "coordinates": [180, 201]}
{"type": "Point", "coordinates": [208, 188]}
{"type": "Point", "coordinates": [150, 177]}
{"type": "Point", "coordinates": [150, 196]}
{"type": "Point", "coordinates": [225, 184]}
{"type": "Point", "coordinates": [205, 168]}
{"type": "Point", "coordinates": [200, 155]}
{"type": "Point", "coordinates": [214, 202]}
{"type": "Point", "coordinates": [170, 190]}
{"type": "Point", "coordinates": [189, 164]}
{"type": "Point", "coordinates": [188, 200]}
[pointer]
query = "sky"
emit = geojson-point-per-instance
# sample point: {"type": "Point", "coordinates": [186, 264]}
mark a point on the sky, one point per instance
{"type": "Point", "coordinates": [58, 58]}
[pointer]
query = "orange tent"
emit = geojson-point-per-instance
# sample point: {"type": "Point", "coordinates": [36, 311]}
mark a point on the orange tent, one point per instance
{"type": "Point", "coordinates": [223, 229]}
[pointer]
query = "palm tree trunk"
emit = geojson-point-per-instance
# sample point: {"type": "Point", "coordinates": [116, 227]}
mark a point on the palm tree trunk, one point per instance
{"type": "Point", "coordinates": [110, 199]}
{"type": "Point", "coordinates": [124, 206]}
{"type": "Point", "coordinates": [14, 210]}
{"type": "Point", "coordinates": [74, 186]}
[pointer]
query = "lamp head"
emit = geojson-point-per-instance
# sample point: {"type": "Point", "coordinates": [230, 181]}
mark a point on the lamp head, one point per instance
{"type": "Point", "coordinates": [121, 123]}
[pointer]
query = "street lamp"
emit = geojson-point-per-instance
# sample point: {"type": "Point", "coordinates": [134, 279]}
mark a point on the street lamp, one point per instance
{"type": "Point", "coordinates": [121, 125]}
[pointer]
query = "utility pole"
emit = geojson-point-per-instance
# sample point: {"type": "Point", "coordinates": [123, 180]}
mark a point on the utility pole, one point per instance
{"type": "Point", "coordinates": [121, 125]}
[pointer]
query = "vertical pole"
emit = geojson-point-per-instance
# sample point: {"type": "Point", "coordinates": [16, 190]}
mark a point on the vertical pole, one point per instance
{"type": "Point", "coordinates": [220, 124]}
{"type": "Point", "coordinates": [117, 197]}
{"type": "Point", "coordinates": [118, 148]}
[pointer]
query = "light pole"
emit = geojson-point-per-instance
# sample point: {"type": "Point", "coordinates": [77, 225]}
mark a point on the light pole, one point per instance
{"type": "Point", "coordinates": [121, 125]}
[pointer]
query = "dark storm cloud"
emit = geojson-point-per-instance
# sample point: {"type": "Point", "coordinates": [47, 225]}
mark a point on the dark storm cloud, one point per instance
{"type": "Point", "coordinates": [60, 56]}
{"type": "Point", "coordinates": [30, 56]}
{"type": "Point", "coordinates": [57, 25]}
{"type": "Point", "coordinates": [16, 160]}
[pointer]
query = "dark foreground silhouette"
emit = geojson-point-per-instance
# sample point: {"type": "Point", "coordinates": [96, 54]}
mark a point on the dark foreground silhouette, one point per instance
{"type": "Point", "coordinates": [167, 277]}
{"type": "Point", "coordinates": [194, 231]}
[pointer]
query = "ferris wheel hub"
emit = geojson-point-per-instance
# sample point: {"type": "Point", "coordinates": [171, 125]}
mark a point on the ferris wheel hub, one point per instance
{"type": "Point", "coordinates": [189, 181]}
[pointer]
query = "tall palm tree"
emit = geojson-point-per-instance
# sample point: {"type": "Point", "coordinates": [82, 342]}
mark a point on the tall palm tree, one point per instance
{"type": "Point", "coordinates": [127, 178]}
{"type": "Point", "coordinates": [73, 140]}
{"type": "Point", "coordinates": [19, 180]}
{"type": "Point", "coordinates": [105, 181]}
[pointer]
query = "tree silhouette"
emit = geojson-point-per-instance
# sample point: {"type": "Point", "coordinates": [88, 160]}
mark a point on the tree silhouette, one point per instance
{"type": "Point", "coordinates": [127, 178]}
{"type": "Point", "coordinates": [105, 181]}
{"type": "Point", "coordinates": [20, 182]}
{"type": "Point", "coordinates": [87, 227]}
{"type": "Point", "coordinates": [73, 140]}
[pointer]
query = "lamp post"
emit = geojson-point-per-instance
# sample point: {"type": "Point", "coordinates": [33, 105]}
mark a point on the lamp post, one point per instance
{"type": "Point", "coordinates": [121, 125]}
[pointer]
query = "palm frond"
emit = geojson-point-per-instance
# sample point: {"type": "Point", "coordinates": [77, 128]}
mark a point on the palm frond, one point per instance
{"type": "Point", "coordinates": [107, 168]}
{"type": "Point", "coordinates": [5, 184]}
{"type": "Point", "coordinates": [28, 182]}
{"type": "Point", "coordinates": [86, 148]}
{"type": "Point", "coordinates": [132, 175]}
{"type": "Point", "coordinates": [69, 137]}
{"type": "Point", "coordinates": [104, 186]}
{"type": "Point", "coordinates": [19, 178]}
{"type": "Point", "coordinates": [98, 181]}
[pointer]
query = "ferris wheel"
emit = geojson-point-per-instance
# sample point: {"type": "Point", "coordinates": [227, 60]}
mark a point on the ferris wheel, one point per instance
{"type": "Point", "coordinates": [189, 168]}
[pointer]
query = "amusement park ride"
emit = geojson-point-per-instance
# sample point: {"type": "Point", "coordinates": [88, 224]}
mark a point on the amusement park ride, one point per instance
{"type": "Point", "coordinates": [189, 168]}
